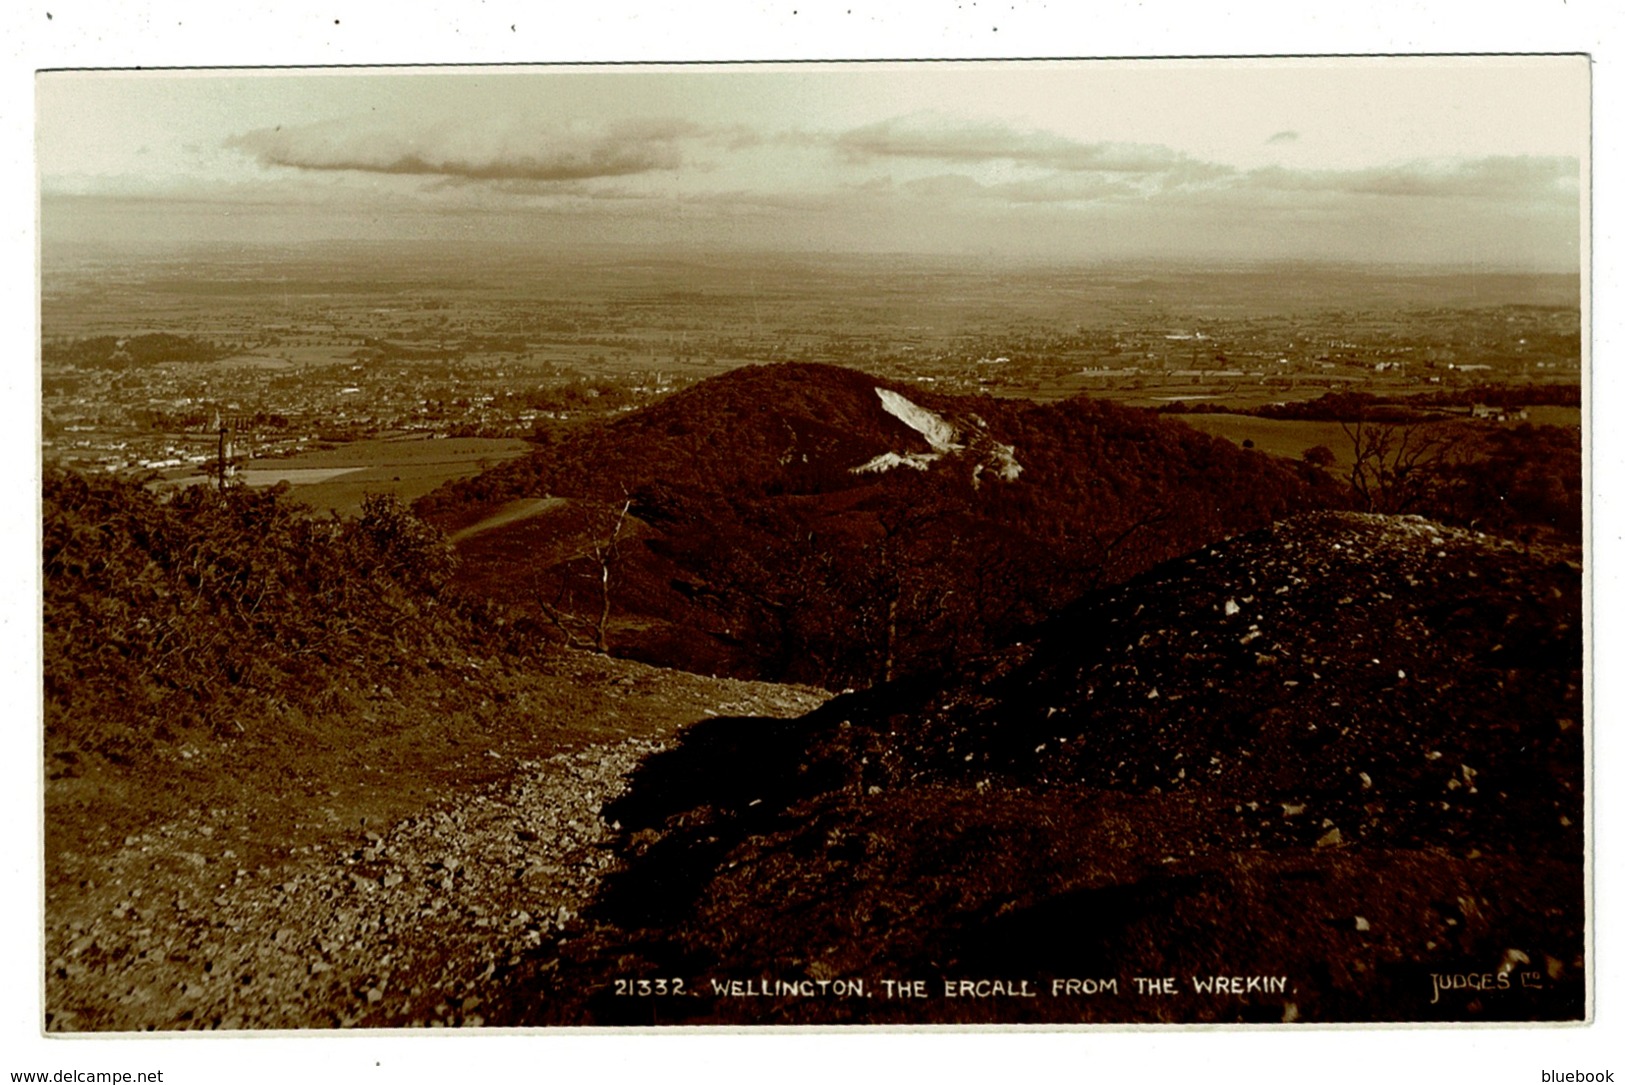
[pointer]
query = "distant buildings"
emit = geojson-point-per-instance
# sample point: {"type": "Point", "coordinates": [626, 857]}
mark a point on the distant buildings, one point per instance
{"type": "Point", "coordinates": [1500, 414]}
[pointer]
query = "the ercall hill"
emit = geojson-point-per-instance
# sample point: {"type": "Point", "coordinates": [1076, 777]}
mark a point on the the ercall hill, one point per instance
{"type": "Point", "coordinates": [811, 523]}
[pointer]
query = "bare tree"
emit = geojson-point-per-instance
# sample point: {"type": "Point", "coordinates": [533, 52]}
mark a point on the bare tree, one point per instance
{"type": "Point", "coordinates": [590, 631]}
{"type": "Point", "coordinates": [1395, 467]}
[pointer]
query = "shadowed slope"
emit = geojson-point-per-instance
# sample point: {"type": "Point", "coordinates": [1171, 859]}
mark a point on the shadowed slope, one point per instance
{"type": "Point", "coordinates": [1345, 751]}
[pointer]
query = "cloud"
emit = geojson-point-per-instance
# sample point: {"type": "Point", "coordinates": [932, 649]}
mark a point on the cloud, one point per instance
{"type": "Point", "coordinates": [536, 153]}
{"type": "Point", "coordinates": [1082, 171]}
{"type": "Point", "coordinates": [1521, 178]}
{"type": "Point", "coordinates": [1054, 188]}
{"type": "Point", "coordinates": [977, 143]}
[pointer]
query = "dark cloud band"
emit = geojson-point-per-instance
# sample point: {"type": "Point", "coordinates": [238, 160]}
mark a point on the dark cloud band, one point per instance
{"type": "Point", "coordinates": [541, 156]}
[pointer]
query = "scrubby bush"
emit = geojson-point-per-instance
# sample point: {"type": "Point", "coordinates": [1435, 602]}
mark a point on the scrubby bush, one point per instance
{"type": "Point", "coordinates": [208, 610]}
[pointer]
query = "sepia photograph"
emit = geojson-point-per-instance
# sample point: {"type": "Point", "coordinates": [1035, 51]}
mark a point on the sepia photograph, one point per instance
{"type": "Point", "coordinates": [873, 544]}
{"type": "Point", "coordinates": [628, 541]}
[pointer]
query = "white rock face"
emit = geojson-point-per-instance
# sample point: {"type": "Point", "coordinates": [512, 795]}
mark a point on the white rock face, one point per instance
{"type": "Point", "coordinates": [943, 437]}
{"type": "Point", "coordinates": [887, 460]}
{"type": "Point", "coordinates": [938, 432]}
{"type": "Point", "coordinates": [1004, 457]}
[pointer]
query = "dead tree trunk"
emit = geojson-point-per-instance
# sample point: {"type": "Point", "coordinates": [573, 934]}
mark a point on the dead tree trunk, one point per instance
{"type": "Point", "coordinates": [607, 553]}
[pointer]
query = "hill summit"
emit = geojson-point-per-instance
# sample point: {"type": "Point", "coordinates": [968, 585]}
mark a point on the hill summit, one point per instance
{"type": "Point", "coordinates": [813, 523]}
{"type": "Point", "coordinates": [1342, 752]}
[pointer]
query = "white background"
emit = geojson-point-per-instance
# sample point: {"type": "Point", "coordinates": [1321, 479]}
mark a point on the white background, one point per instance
{"type": "Point", "coordinates": [93, 33]}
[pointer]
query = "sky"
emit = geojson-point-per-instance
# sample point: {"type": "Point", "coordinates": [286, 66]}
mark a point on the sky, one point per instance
{"type": "Point", "coordinates": [1452, 161]}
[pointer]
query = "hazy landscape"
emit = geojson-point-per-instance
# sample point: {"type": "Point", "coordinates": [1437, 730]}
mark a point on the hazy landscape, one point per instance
{"type": "Point", "coordinates": [456, 630]}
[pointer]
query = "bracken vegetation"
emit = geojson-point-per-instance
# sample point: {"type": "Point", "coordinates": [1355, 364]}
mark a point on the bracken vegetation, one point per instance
{"type": "Point", "coordinates": [212, 612]}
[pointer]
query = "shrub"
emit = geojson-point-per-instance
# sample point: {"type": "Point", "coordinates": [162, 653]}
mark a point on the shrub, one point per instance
{"type": "Point", "coordinates": [205, 609]}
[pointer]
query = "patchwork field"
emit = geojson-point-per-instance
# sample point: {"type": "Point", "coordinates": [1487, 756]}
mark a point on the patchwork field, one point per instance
{"type": "Point", "coordinates": [1290, 438]}
{"type": "Point", "coordinates": [338, 478]}
{"type": "Point", "coordinates": [1277, 437]}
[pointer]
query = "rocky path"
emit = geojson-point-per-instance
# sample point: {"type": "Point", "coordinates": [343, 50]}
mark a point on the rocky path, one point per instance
{"type": "Point", "coordinates": [402, 926]}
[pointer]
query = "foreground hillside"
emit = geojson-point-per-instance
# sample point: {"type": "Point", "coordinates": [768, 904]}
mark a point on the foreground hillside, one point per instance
{"type": "Point", "coordinates": [290, 782]}
{"type": "Point", "coordinates": [812, 523]}
{"type": "Point", "coordinates": [1340, 759]}
{"type": "Point", "coordinates": [376, 880]}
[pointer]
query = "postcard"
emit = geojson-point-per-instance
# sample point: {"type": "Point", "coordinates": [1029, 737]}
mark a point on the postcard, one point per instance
{"type": "Point", "coordinates": [887, 544]}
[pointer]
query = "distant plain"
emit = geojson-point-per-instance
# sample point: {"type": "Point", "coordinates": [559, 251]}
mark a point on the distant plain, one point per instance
{"type": "Point", "coordinates": [356, 345]}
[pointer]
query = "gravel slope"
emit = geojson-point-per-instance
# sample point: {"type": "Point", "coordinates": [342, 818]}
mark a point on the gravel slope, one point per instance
{"type": "Point", "coordinates": [396, 927]}
{"type": "Point", "coordinates": [211, 921]}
